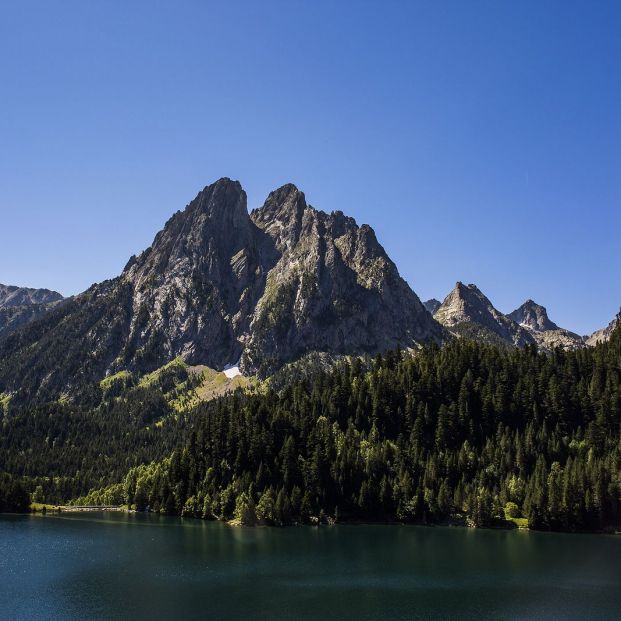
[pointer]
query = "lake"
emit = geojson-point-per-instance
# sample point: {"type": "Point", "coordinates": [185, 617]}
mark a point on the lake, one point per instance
{"type": "Point", "coordinates": [118, 566]}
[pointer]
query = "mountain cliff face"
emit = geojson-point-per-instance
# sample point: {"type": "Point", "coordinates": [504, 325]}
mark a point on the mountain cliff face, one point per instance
{"type": "Point", "coordinates": [19, 305]}
{"type": "Point", "coordinates": [218, 286]}
{"type": "Point", "coordinates": [333, 289]}
{"type": "Point", "coordinates": [194, 291]}
{"type": "Point", "coordinates": [467, 312]}
{"type": "Point", "coordinates": [534, 318]}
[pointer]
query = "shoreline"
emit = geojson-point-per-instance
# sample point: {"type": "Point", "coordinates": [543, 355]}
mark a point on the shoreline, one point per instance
{"type": "Point", "coordinates": [233, 523]}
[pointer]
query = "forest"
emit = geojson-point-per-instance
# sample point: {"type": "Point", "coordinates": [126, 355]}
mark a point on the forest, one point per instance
{"type": "Point", "coordinates": [62, 449]}
{"type": "Point", "coordinates": [467, 433]}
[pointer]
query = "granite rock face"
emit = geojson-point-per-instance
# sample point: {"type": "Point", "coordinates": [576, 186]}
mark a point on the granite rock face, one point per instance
{"type": "Point", "coordinates": [219, 286]}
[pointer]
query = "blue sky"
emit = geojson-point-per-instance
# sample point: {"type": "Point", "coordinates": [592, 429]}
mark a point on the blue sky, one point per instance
{"type": "Point", "coordinates": [481, 140]}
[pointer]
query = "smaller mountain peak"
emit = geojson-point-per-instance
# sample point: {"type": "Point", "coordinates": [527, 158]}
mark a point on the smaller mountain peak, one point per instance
{"type": "Point", "coordinates": [464, 297]}
{"type": "Point", "coordinates": [432, 305]}
{"type": "Point", "coordinates": [533, 316]}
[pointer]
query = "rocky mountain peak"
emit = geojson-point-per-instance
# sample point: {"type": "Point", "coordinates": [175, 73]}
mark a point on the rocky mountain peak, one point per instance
{"type": "Point", "coordinates": [223, 200]}
{"type": "Point", "coordinates": [464, 302]}
{"type": "Point", "coordinates": [211, 227]}
{"type": "Point", "coordinates": [333, 289]}
{"type": "Point", "coordinates": [467, 312]}
{"type": "Point", "coordinates": [281, 215]}
{"type": "Point", "coordinates": [533, 316]}
{"type": "Point", "coordinates": [222, 287]}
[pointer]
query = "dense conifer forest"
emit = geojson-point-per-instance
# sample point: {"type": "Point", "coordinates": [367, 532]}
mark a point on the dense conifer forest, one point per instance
{"type": "Point", "coordinates": [466, 433]}
{"type": "Point", "coordinates": [63, 449]}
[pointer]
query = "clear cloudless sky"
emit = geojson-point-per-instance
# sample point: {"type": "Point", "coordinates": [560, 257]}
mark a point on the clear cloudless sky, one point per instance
{"type": "Point", "coordinates": [481, 140]}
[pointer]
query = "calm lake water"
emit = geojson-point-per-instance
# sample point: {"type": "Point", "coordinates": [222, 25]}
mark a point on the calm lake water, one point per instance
{"type": "Point", "coordinates": [116, 566]}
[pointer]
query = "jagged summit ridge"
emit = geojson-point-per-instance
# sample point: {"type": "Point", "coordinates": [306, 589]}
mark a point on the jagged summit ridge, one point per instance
{"type": "Point", "coordinates": [219, 285]}
{"type": "Point", "coordinates": [333, 288]}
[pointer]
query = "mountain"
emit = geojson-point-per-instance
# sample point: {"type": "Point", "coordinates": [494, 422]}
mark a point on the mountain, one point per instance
{"type": "Point", "coordinates": [19, 305]}
{"type": "Point", "coordinates": [534, 318]}
{"type": "Point", "coordinates": [333, 289]}
{"type": "Point", "coordinates": [24, 296]}
{"type": "Point", "coordinates": [467, 312]}
{"type": "Point", "coordinates": [432, 305]}
{"type": "Point", "coordinates": [222, 287]}
{"type": "Point", "coordinates": [603, 335]}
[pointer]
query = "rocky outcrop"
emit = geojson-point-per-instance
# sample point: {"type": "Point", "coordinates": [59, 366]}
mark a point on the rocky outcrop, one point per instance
{"type": "Point", "coordinates": [218, 286]}
{"type": "Point", "coordinates": [468, 313]}
{"type": "Point", "coordinates": [534, 318]}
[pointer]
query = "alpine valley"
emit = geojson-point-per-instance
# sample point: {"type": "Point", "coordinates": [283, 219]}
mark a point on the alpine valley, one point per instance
{"type": "Point", "coordinates": [273, 367]}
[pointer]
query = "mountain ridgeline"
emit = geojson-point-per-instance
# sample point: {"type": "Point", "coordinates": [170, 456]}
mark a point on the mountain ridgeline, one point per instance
{"type": "Point", "coordinates": [21, 305]}
{"type": "Point", "coordinates": [375, 405]}
{"type": "Point", "coordinates": [467, 312]}
{"type": "Point", "coordinates": [218, 287]}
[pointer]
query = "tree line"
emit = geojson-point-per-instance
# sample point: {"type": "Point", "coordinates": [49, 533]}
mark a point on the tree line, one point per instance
{"type": "Point", "coordinates": [466, 433]}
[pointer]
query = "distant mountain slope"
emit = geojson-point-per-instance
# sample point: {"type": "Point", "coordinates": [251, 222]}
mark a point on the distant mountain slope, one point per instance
{"type": "Point", "coordinates": [534, 318]}
{"type": "Point", "coordinates": [21, 296]}
{"type": "Point", "coordinates": [468, 313]}
{"type": "Point", "coordinates": [19, 305]}
{"type": "Point", "coordinates": [603, 335]}
{"type": "Point", "coordinates": [219, 286]}
{"type": "Point", "coordinates": [432, 305]}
